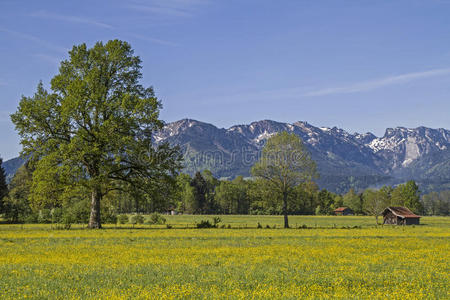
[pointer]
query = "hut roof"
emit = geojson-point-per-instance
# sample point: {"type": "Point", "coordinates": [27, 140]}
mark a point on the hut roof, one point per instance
{"type": "Point", "coordinates": [339, 209]}
{"type": "Point", "coordinates": [401, 212]}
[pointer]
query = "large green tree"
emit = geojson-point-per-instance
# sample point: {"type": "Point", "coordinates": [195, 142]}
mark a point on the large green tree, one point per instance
{"type": "Point", "coordinates": [284, 164]}
{"type": "Point", "coordinates": [94, 128]}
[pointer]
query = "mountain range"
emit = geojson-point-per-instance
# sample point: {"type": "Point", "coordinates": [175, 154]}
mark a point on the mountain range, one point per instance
{"type": "Point", "coordinates": [344, 160]}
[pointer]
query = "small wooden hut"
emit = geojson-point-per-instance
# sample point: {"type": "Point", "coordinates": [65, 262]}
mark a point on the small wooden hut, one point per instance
{"type": "Point", "coordinates": [343, 211]}
{"type": "Point", "coordinates": [398, 215]}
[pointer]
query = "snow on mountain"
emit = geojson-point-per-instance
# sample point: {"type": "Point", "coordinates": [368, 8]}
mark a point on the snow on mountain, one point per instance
{"type": "Point", "coordinates": [401, 146]}
{"type": "Point", "coordinates": [344, 160]}
{"type": "Point", "coordinates": [398, 148]}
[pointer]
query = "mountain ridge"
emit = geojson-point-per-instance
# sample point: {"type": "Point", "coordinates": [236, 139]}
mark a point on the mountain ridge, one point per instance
{"type": "Point", "coordinates": [388, 159]}
{"type": "Point", "coordinates": [344, 160]}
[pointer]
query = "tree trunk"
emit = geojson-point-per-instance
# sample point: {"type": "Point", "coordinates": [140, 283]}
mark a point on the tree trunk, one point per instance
{"type": "Point", "coordinates": [94, 220]}
{"type": "Point", "coordinates": [376, 218]}
{"type": "Point", "coordinates": [285, 212]}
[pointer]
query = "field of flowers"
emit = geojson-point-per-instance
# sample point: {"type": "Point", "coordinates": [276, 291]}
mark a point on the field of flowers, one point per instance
{"type": "Point", "coordinates": [369, 262]}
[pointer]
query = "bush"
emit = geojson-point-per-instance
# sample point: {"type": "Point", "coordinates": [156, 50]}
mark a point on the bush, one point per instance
{"type": "Point", "coordinates": [67, 220]}
{"type": "Point", "coordinates": [205, 224]}
{"type": "Point", "coordinates": [56, 215]}
{"type": "Point", "coordinates": [109, 215]}
{"type": "Point", "coordinates": [45, 216]}
{"type": "Point", "coordinates": [75, 212]}
{"type": "Point", "coordinates": [122, 219]}
{"type": "Point", "coordinates": [137, 219]}
{"type": "Point", "coordinates": [31, 218]}
{"type": "Point", "coordinates": [318, 210]}
{"type": "Point", "coordinates": [208, 224]}
{"type": "Point", "coordinates": [216, 221]}
{"type": "Point", "coordinates": [109, 218]}
{"type": "Point", "coordinates": [79, 212]}
{"type": "Point", "coordinates": [259, 225]}
{"type": "Point", "coordinates": [63, 218]}
{"type": "Point", "coordinates": [157, 219]}
{"type": "Point", "coordinates": [16, 207]}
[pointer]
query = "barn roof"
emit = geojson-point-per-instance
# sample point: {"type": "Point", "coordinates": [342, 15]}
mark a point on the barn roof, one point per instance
{"type": "Point", "coordinates": [401, 212]}
{"type": "Point", "coordinates": [340, 209]}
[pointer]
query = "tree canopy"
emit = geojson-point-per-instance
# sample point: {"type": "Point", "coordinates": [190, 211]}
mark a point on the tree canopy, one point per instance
{"type": "Point", "coordinates": [94, 129]}
{"type": "Point", "coordinates": [16, 206]}
{"type": "Point", "coordinates": [408, 195]}
{"type": "Point", "coordinates": [284, 164]}
{"type": "Point", "coordinates": [375, 201]}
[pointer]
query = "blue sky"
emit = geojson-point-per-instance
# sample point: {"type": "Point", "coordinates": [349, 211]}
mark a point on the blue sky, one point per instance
{"type": "Point", "coordinates": [359, 65]}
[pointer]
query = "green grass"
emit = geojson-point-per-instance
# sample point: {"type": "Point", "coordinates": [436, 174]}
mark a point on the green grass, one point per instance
{"type": "Point", "coordinates": [381, 262]}
{"type": "Point", "coordinates": [251, 221]}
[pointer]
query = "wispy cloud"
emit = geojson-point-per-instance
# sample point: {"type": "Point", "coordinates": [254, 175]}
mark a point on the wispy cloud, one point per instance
{"type": "Point", "coordinates": [173, 8]}
{"type": "Point", "coordinates": [302, 92]}
{"type": "Point", "coordinates": [34, 39]}
{"type": "Point", "coordinates": [48, 58]}
{"type": "Point", "coordinates": [153, 40]}
{"type": "Point", "coordinates": [71, 19]}
{"type": "Point", "coordinates": [161, 10]}
{"type": "Point", "coordinates": [378, 83]}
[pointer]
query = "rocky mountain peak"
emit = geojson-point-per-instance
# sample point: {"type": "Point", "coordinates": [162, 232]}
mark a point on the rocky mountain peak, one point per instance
{"type": "Point", "coordinates": [341, 157]}
{"type": "Point", "coordinates": [365, 138]}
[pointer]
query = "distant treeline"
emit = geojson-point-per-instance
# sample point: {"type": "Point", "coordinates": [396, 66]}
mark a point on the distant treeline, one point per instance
{"type": "Point", "coordinates": [204, 194]}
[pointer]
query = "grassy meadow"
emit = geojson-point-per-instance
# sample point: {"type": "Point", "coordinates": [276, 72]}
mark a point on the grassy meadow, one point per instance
{"type": "Point", "coordinates": [328, 260]}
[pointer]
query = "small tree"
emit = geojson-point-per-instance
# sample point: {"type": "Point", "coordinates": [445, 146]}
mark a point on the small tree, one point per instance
{"type": "Point", "coordinates": [284, 164]}
{"type": "Point", "coordinates": [200, 188]}
{"type": "Point", "coordinates": [326, 202]}
{"type": "Point", "coordinates": [375, 202]}
{"type": "Point", "coordinates": [3, 185]}
{"type": "Point", "coordinates": [353, 201]}
{"type": "Point", "coordinates": [17, 207]}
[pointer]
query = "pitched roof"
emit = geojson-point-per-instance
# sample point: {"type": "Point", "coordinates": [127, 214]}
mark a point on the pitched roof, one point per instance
{"type": "Point", "coordinates": [401, 212]}
{"type": "Point", "coordinates": [340, 209]}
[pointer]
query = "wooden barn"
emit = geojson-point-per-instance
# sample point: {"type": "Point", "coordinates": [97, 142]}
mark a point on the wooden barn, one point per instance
{"type": "Point", "coordinates": [343, 211]}
{"type": "Point", "coordinates": [398, 215]}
